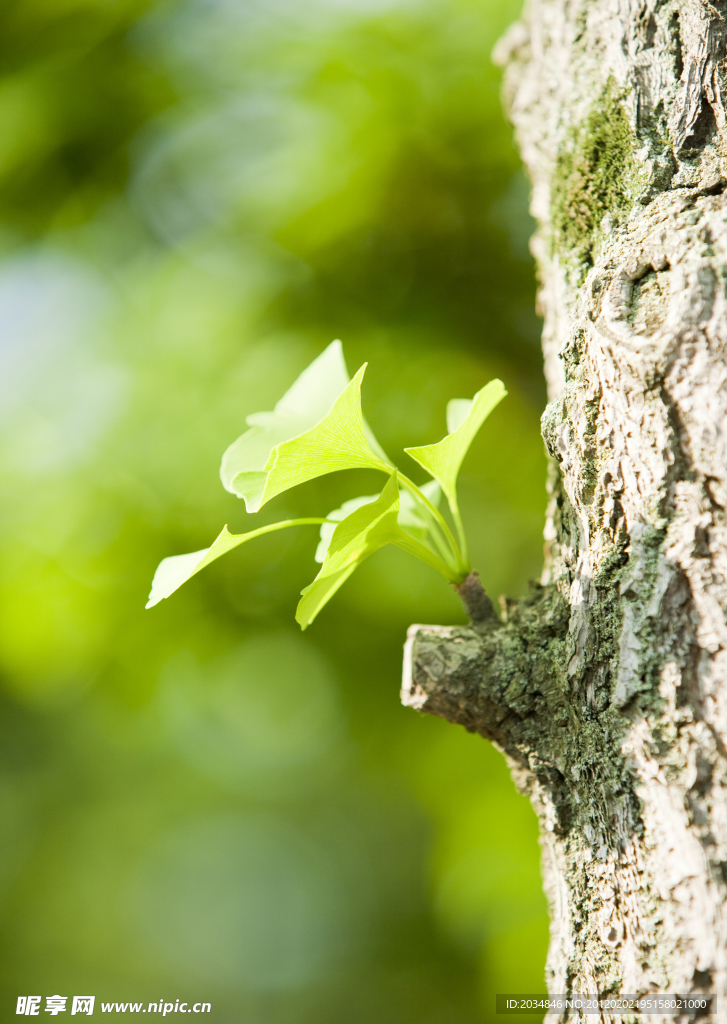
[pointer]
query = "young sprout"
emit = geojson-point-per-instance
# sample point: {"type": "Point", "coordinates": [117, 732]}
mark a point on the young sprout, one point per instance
{"type": "Point", "coordinates": [317, 427]}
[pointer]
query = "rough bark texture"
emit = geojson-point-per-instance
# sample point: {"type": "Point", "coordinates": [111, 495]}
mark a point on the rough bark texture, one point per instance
{"type": "Point", "coordinates": [606, 688]}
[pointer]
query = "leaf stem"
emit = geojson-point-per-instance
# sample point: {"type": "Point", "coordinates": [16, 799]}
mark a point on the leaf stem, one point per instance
{"type": "Point", "coordinates": [462, 565]}
{"type": "Point", "coordinates": [282, 525]}
{"type": "Point", "coordinates": [454, 507]}
{"type": "Point", "coordinates": [436, 537]}
{"type": "Point", "coordinates": [422, 552]}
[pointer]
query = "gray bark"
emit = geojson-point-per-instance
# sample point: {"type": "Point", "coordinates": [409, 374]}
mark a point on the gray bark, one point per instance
{"type": "Point", "coordinates": [605, 688]}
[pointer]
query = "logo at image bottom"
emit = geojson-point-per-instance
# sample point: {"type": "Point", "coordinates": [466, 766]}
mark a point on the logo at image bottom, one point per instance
{"type": "Point", "coordinates": [30, 1005]}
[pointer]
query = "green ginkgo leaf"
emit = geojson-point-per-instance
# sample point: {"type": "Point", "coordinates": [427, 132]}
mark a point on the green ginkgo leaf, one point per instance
{"type": "Point", "coordinates": [412, 515]}
{"type": "Point", "coordinates": [172, 572]}
{"type": "Point", "coordinates": [366, 529]}
{"type": "Point", "coordinates": [464, 418]}
{"type": "Point", "coordinates": [317, 427]}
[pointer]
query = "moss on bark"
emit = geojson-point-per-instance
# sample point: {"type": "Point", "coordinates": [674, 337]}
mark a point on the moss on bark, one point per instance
{"type": "Point", "coordinates": [596, 179]}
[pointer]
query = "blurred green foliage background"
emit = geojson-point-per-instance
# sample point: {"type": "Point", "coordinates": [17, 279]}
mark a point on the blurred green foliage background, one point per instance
{"type": "Point", "coordinates": [199, 801]}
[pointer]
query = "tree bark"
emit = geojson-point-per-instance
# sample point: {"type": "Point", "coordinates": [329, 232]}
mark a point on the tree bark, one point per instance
{"type": "Point", "coordinates": [605, 688]}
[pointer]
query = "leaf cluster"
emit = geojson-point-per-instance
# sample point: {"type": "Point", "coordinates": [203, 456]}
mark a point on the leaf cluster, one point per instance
{"type": "Point", "coordinates": [316, 428]}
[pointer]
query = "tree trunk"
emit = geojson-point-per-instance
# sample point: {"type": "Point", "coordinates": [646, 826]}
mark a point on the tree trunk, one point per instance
{"type": "Point", "coordinates": [605, 688]}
